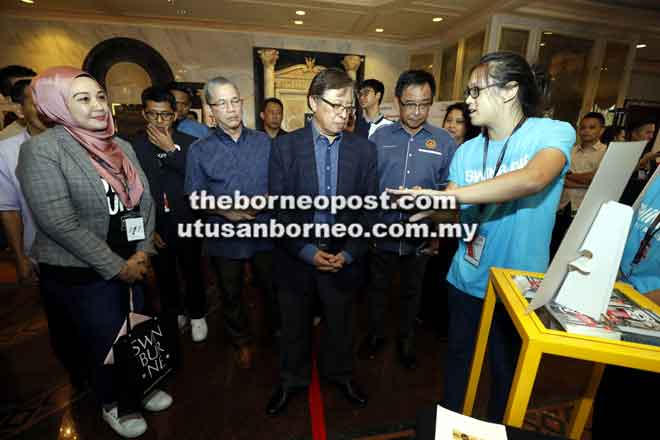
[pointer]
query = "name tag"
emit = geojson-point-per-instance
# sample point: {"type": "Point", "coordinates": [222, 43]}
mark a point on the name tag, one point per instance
{"type": "Point", "coordinates": [437, 153]}
{"type": "Point", "coordinates": [134, 227]}
{"type": "Point", "coordinates": [474, 250]}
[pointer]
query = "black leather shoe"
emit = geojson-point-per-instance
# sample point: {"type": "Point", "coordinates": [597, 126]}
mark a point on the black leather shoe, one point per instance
{"type": "Point", "coordinates": [371, 347]}
{"type": "Point", "coordinates": [406, 354]}
{"type": "Point", "coordinates": [353, 393]}
{"type": "Point", "coordinates": [279, 400]}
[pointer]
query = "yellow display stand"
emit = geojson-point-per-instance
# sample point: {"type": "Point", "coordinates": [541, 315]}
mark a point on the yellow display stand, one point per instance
{"type": "Point", "coordinates": [538, 340]}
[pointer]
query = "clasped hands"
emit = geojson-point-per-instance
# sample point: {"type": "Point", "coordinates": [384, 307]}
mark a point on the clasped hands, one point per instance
{"type": "Point", "coordinates": [135, 268]}
{"type": "Point", "coordinates": [326, 262]}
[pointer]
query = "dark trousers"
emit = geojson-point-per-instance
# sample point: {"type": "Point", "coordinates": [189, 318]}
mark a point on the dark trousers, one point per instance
{"type": "Point", "coordinates": [186, 253]}
{"type": "Point", "coordinates": [231, 280]}
{"type": "Point", "coordinates": [336, 356]}
{"type": "Point", "coordinates": [383, 265]}
{"type": "Point", "coordinates": [433, 309]}
{"type": "Point", "coordinates": [503, 348]}
{"type": "Point", "coordinates": [618, 404]}
{"type": "Point", "coordinates": [89, 316]}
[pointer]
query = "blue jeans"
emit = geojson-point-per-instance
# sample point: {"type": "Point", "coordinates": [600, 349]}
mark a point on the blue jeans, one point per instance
{"type": "Point", "coordinates": [503, 348]}
{"type": "Point", "coordinates": [95, 312]}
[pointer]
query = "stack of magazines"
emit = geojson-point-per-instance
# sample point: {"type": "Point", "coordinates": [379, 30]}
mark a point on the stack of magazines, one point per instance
{"type": "Point", "coordinates": [625, 319]}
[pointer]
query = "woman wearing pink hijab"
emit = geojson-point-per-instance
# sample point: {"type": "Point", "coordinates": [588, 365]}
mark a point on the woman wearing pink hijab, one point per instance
{"type": "Point", "coordinates": [95, 223]}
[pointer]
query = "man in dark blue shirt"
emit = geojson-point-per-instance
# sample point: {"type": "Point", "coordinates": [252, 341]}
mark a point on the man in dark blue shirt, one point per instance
{"type": "Point", "coordinates": [162, 155]}
{"type": "Point", "coordinates": [411, 153]}
{"type": "Point", "coordinates": [320, 160]}
{"type": "Point", "coordinates": [233, 158]}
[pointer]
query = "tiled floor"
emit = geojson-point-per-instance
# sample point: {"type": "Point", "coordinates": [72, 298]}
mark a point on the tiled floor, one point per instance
{"type": "Point", "coordinates": [214, 399]}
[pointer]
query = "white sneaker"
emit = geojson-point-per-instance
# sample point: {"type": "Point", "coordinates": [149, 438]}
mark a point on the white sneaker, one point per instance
{"type": "Point", "coordinates": [157, 400]}
{"type": "Point", "coordinates": [129, 426]}
{"type": "Point", "coordinates": [199, 329]}
{"type": "Point", "coordinates": [182, 320]}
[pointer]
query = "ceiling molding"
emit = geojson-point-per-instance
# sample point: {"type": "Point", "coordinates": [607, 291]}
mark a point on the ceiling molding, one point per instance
{"type": "Point", "coordinates": [625, 19]}
{"type": "Point", "coordinates": [356, 8]}
{"type": "Point", "coordinates": [193, 24]}
{"type": "Point", "coordinates": [470, 24]}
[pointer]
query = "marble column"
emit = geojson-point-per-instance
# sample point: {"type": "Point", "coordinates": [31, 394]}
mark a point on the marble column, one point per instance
{"type": "Point", "coordinates": [207, 116]}
{"type": "Point", "coordinates": [269, 58]}
{"type": "Point", "coordinates": [351, 64]}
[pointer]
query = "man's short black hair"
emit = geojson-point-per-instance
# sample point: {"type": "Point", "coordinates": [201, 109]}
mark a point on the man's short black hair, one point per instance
{"type": "Point", "coordinates": [181, 88]}
{"type": "Point", "coordinates": [375, 85]}
{"type": "Point", "coordinates": [274, 101]}
{"type": "Point", "coordinates": [158, 94]}
{"type": "Point", "coordinates": [595, 115]}
{"type": "Point", "coordinates": [414, 78]}
{"type": "Point", "coordinates": [18, 90]}
{"type": "Point", "coordinates": [13, 71]}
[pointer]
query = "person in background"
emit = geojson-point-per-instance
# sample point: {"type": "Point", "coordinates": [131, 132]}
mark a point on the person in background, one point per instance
{"type": "Point", "coordinates": [411, 153]}
{"type": "Point", "coordinates": [585, 159]}
{"type": "Point", "coordinates": [645, 131]}
{"type": "Point", "coordinates": [184, 98]}
{"type": "Point", "coordinates": [234, 158]}
{"type": "Point", "coordinates": [11, 120]}
{"type": "Point", "coordinates": [370, 95]}
{"type": "Point", "coordinates": [641, 130]}
{"type": "Point", "coordinates": [457, 123]}
{"type": "Point", "coordinates": [639, 267]}
{"type": "Point", "coordinates": [271, 114]}
{"type": "Point", "coordinates": [95, 221]}
{"type": "Point", "coordinates": [613, 134]}
{"type": "Point", "coordinates": [162, 153]}
{"type": "Point", "coordinates": [192, 116]}
{"type": "Point", "coordinates": [15, 215]}
{"type": "Point", "coordinates": [508, 181]}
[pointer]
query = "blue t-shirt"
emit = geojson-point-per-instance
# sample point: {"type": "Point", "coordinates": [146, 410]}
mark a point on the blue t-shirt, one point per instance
{"type": "Point", "coordinates": [644, 276]}
{"type": "Point", "coordinates": [517, 233]}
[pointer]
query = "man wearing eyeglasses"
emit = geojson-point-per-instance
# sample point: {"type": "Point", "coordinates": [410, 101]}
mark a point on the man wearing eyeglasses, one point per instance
{"type": "Point", "coordinates": [162, 154]}
{"type": "Point", "coordinates": [321, 159]}
{"type": "Point", "coordinates": [411, 153]}
{"type": "Point", "coordinates": [234, 158]}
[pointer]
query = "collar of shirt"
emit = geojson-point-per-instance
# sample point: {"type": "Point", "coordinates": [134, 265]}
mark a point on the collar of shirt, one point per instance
{"type": "Point", "coordinates": [398, 126]}
{"type": "Point", "coordinates": [595, 147]}
{"type": "Point", "coordinates": [223, 136]}
{"type": "Point", "coordinates": [375, 120]}
{"type": "Point", "coordinates": [316, 134]}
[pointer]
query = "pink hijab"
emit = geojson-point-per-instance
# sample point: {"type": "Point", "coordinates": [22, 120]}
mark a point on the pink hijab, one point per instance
{"type": "Point", "coordinates": [51, 91]}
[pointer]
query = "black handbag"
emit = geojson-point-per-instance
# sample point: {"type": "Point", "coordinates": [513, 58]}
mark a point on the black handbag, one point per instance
{"type": "Point", "coordinates": [145, 355]}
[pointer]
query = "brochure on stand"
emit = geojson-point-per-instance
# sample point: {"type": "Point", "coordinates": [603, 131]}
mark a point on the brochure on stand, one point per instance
{"type": "Point", "coordinates": [607, 185]}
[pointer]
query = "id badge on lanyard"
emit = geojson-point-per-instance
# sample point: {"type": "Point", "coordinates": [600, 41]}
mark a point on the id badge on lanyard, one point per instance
{"type": "Point", "coordinates": [474, 250]}
{"type": "Point", "coordinates": [133, 224]}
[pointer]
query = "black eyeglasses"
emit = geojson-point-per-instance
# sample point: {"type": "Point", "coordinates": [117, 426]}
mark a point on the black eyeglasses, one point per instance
{"type": "Point", "coordinates": [476, 90]}
{"type": "Point", "coordinates": [416, 106]}
{"type": "Point", "coordinates": [224, 104]}
{"type": "Point", "coordinates": [339, 108]}
{"type": "Point", "coordinates": [165, 116]}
